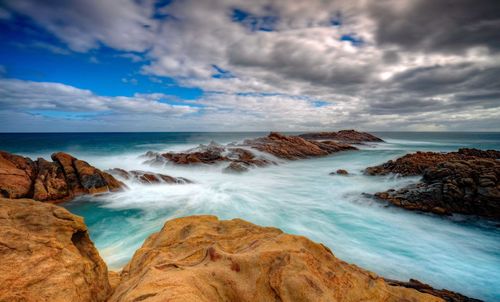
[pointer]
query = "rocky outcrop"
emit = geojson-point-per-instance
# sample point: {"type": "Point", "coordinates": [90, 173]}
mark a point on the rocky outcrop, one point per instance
{"type": "Point", "coordinates": [457, 186]}
{"type": "Point", "coordinates": [295, 147]}
{"type": "Point", "coordinates": [147, 177]}
{"type": "Point", "coordinates": [416, 163]}
{"type": "Point", "coordinates": [251, 153]}
{"type": "Point", "coordinates": [201, 258]}
{"type": "Point", "coordinates": [347, 136]}
{"type": "Point", "coordinates": [466, 182]}
{"type": "Point", "coordinates": [46, 255]}
{"type": "Point", "coordinates": [425, 288]}
{"type": "Point", "coordinates": [60, 180]}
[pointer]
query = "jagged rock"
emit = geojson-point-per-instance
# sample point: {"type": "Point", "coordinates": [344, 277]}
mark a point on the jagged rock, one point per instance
{"type": "Point", "coordinates": [46, 255]}
{"type": "Point", "coordinates": [17, 175]}
{"type": "Point", "coordinates": [62, 179]}
{"type": "Point", "coordinates": [425, 288]}
{"type": "Point", "coordinates": [148, 177]}
{"type": "Point", "coordinates": [416, 163]}
{"type": "Point", "coordinates": [348, 136]}
{"type": "Point", "coordinates": [201, 258]}
{"type": "Point", "coordinates": [457, 186]}
{"type": "Point", "coordinates": [294, 147]}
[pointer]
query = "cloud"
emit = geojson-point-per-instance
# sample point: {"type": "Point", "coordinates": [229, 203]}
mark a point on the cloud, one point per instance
{"type": "Point", "coordinates": [377, 65]}
{"type": "Point", "coordinates": [28, 96]}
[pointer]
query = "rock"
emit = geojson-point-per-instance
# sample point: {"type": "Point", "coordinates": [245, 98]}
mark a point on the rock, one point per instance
{"type": "Point", "coordinates": [425, 288]}
{"type": "Point", "coordinates": [46, 255]}
{"type": "Point", "coordinates": [347, 136]}
{"type": "Point", "coordinates": [17, 175]}
{"type": "Point", "coordinates": [148, 177]}
{"type": "Point", "coordinates": [201, 258]}
{"type": "Point", "coordinates": [60, 180]}
{"type": "Point", "coordinates": [295, 147]}
{"type": "Point", "coordinates": [342, 172]}
{"type": "Point", "coordinates": [251, 153]}
{"type": "Point", "coordinates": [416, 163]}
{"type": "Point", "coordinates": [468, 186]}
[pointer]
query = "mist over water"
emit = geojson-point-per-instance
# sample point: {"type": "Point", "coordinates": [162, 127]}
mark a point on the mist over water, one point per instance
{"type": "Point", "coordinates": [459, 253]}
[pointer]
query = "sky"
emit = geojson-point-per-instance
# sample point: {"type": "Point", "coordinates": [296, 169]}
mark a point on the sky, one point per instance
{"type": "Point", "coordinates": [260, 65]}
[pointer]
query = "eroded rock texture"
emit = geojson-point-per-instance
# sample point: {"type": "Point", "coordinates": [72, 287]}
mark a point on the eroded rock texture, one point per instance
{"type": "Point", "coordinates": [46, 255]}
{"type": "Point", "coordinates": [62, 179]}
{"type": "Point", "coordinates": [147, 177]}
{"type": "Point", "coordinates": [347, 136]}
{"type": "Point", "coordinates": [201, 258]}
{"type": "Point", "coordinates": [466, 182]}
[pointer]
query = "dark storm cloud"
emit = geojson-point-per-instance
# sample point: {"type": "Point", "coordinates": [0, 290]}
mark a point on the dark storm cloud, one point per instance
{"type": "Point", "coordinates": [442, 25]}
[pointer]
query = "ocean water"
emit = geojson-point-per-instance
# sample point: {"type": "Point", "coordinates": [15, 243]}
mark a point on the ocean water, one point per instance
{"type": "Point", "coordinates": [459, 253]}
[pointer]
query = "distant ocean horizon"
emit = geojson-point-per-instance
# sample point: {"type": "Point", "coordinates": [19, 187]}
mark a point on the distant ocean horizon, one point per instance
{"type": "Point", "coordinates": [460, 253]}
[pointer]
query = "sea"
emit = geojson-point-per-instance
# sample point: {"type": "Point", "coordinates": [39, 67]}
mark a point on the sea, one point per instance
{"type": "Point", "coordinates": [459, 253]}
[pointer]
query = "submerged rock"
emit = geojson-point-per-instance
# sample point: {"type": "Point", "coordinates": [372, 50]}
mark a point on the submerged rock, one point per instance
{"type": "Point", "coordinates": [347, 136]}
{"type": "Point", "coordinates": [147, 177]}
{"type": "Point", "coordinates": [342, 172]}
{"type": "Point", "coordinates": [46, 255]}
{"type": "Point", "coordinates": [62, 179]}
{"type": "Point", "coordinates": [201, 258]}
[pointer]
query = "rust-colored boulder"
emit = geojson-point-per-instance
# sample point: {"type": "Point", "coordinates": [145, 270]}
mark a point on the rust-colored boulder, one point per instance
{"type": "Point", "coordinates": [17, 175]}
{"type": "Point", "coordinates": [148, 177]}
{"type": "Point", "coordinates": [201, 258]}
{"type": "Point", "coordinates": [60, 180]}
{"type": "Point", "coordinates": [46, 255]}
{"type": "Point", "coordinates": [347, 136]}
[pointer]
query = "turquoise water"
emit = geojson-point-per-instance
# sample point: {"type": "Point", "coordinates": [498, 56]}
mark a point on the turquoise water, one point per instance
{"type": "Point", "coordinates": [459, 253]}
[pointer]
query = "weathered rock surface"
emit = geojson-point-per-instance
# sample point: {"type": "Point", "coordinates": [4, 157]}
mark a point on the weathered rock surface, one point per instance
{"type": "Point", "coordinates": [425, 288]}
{"type": "Point", "coordinates": [46, 255]}
{"type": "Point", "coordinates": [200, 258]}
{"type": "Point", "coordinates": [295, 147]}
{"type": "Point", "coordinates": [251, 153]}
{"type": "Point", "coordinates": [457, 186]}
{"type": "Point", "coordinates": [62, 179]}
{"type": "Point", "coordinates": [341, 172]}
{"type": "Point", "coordinates": [347, 136]}
{"type": "Point", "coordinates": [147, 177]}
{"type": "Point", "coordinates": [416, 163]}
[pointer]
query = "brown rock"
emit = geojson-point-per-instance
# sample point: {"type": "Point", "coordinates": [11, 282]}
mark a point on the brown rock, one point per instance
{"type": "Point", "coordinates": [348, 136]}
{"type": "Point", "coordinates": [342, 172]}
{"type": "Point", "coordinates": [46, 255]}
{"type": "Point", "coordinates": [294, 147]}
{"type": "Point", "coordinates": [17, 174]}
{"type": "Point", "coordinates": [60, 180]}
{"type": "Point", "coordinates": [148, 177]}
{"type": "Point", "coordinates": [425, 288]}
{"type": "Point", "coordinates": [200, 258]}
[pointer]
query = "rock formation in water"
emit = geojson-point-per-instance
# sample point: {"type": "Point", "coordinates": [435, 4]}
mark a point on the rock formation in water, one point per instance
{"type": "Point", "coordinates": [60, 180]}
{"type": "Point", "coordinates": [447, 295]}
{"type": "Point", "coordinates": [346, 136]}
{"type": "Point", "coordinates": [466, 182]}
{"type": "Point", "coordinates": [416, 163]}
{"type": "Point", "coordinates": [147, 177]}
{"type": "Point", "coordinates": [201, 258]}
{"type": "Point", "coordinates": [46, 255]}
{"type": "Point", "coordinates": [251, 153]}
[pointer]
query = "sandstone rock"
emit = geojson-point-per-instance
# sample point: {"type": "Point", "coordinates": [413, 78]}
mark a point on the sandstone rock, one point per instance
{"type": "Point", "coordinates": [200, 258]}
{"type": "Point", "coordinates": [348, 136]}
{"type": "Point", "coordinates": [46, 255]}
{"type": "Point", "coordinates": [425, 288]}
{"type": "Point", "coordinates": [342, 172]}
{"type": "Point", "coordinates": [17, 175]}
{"type": "Point", "coordinates": [60, 180]}
{"type": "Point", "coordinates": [148, 177]}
